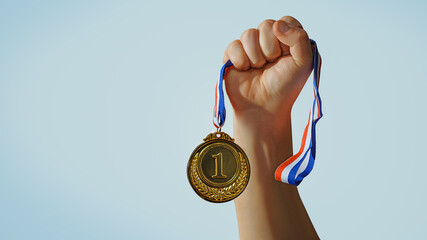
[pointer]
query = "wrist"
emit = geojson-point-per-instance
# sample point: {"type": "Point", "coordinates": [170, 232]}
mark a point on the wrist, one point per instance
{"type": "Point", "coordinates": [266, 138]}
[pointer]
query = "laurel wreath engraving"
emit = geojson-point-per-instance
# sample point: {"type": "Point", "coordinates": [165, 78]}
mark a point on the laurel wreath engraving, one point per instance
{"type": "Point", "coordinates": [220, 194]}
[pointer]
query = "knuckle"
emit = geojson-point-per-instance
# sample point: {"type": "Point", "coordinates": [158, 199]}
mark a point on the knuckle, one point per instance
{"type": "Point", "coordinates": [268, 23]}
{"type": "Point", "coordinates": [292, 21]}
{"type": "Point", "coordinates": [232, 46]}
{"type": "Point", "coordinates": [302, 35]}
{"type": "Point", "coordinates": [249, 33]}
{"type": "Point", "coordinates": [235, 43]}
{"type": "Point", "coordinates": [289, 18]}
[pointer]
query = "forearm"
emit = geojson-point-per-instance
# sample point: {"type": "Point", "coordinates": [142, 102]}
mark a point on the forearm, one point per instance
{"type": "Point", "coordinates": [268, 209]}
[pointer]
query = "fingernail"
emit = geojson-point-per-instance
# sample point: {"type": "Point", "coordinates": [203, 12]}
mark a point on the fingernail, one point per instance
{"type": "Point", "coordinates": [283, 27]}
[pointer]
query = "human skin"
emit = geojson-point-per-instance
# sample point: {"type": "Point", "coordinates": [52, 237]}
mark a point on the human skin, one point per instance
{"type": "Point", "coordinates": [271, 65]}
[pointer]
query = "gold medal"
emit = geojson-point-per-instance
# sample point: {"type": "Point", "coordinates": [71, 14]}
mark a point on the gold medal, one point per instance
{"type": "Point", "coordinates": [218, 169]}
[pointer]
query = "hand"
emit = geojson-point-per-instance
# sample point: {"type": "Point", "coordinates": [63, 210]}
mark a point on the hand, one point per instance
{"type": "Point", "coordinates": [271, 65]}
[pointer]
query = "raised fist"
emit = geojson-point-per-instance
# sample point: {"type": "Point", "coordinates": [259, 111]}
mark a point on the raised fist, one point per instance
{"type": "Point", "coordinates": [271, 65]}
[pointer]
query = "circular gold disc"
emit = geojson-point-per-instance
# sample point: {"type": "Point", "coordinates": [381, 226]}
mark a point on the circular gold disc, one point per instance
{"type": "Point", "coordinates": [218, 169]}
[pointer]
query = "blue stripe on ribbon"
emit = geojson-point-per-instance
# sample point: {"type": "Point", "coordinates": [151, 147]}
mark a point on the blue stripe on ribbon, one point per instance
{"type": "Point", "coordinates": [312, 155]}
{"type": "Point", "coordinates": [291, 178]}
{"type": "Point", "coordinates": [221, 104]}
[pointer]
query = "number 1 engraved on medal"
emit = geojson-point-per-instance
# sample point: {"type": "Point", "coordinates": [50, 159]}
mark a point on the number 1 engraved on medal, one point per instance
{"type": "Point", "coordinates": [221, 175]}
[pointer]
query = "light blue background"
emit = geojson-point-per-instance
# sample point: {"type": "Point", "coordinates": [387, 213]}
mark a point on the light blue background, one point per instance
{"type": "Point", "coordinates": [102, 102]}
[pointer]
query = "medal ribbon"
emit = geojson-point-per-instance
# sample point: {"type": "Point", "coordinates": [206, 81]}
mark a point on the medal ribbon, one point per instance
{"type": "Point", "coordinates": [219, 108]}
{"type": "Point", "coordinates": [297, 167]}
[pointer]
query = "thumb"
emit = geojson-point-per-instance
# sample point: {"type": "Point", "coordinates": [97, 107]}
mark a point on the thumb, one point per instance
{"type": "Point", "coordinates": [297, 40]}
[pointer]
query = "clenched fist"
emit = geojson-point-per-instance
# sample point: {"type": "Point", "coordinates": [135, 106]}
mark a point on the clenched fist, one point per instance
{"type": "Point", "coordinates": [271, 65]}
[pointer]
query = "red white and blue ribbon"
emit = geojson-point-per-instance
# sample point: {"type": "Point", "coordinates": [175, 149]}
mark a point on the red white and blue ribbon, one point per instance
{"type": "Point", "coordinates": [297, 167]}
{"type": "Point", "coordinates": [219, 108]}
